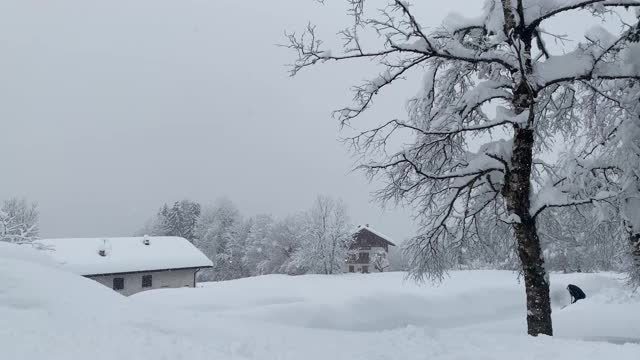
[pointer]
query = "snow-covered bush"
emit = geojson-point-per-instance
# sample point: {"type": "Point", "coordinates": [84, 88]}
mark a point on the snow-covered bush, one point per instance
{"type": "Point", "coordinates": [18, 221]}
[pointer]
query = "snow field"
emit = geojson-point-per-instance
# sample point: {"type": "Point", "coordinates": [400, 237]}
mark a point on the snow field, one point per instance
{"type": "Point", "coordinates": [52, 314]}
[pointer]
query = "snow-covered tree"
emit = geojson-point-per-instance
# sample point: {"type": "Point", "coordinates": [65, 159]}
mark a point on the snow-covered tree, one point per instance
{"type": "Point", "coordinates": [380, 261]}
{"type": "Point", "coordinates": [229, 262]}
{"type": "Point", "coordinates": [397, 259]}
{"type": "Point", "coordinates": [579, 239]}
{"type": "Point", "coordinates": [572, 239]}
{"type": "Point", "coordinates": [285, 240]}
{"type": "Point", "coordinates": [18, 221]}
{"type": "Point", "coordinates": [326, 238]}
{"type": "Point", "coordinates": [259, 246]}
{"type": "Point", "coordinates": [221, 234]}
{"type": "Point", "coordinates": [179, 219]}
{"type": "Point", "coordinates": [500, 60]}
{"type": "Point", "coordinates": [150, 227]}
{"type": "Point", "coordinates": [607, 157]}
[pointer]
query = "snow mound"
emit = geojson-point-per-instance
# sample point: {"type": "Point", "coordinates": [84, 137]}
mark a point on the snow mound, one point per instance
{"type": "Point", "coordinates": [25, 252]}
{"type": "Point", "coordinates": [48, 313]}
{"type": "Point", "coordinates": [31, 281]}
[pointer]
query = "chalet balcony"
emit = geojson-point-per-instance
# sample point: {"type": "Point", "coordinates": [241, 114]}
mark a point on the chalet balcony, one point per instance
{"type": "Point", "coordinates": [360, 258]}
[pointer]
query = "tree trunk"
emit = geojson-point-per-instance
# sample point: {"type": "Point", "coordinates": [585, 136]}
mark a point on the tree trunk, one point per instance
{"type": "Point", "coordinates": [332, 258]}
{"type": "Point", "coordinates": [518, 188]}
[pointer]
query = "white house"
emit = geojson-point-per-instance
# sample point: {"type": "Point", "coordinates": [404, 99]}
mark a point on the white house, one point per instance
{"type": "Point", "coordinates": [130, 264]}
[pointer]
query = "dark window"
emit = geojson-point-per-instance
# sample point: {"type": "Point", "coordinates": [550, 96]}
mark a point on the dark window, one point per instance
{"type": "Point", "coordinates": [363, 258]}
{"type": "Point", "coordinates": [118, 283]}
{"type": "Point", "coordinates": [147, 281]}
{"type": "Point", "coordinates": [351, 269]}
{"type": "Point", "coordinates": [365, 269]}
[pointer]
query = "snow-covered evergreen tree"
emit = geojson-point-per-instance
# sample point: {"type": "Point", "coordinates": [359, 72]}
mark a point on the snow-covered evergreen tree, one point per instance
{"type": "Point", "coordinates": [179, 219]}
{"type": "Point", "coordinates": [499, 59]}
{"type": "Point", "coordinates": [230, 264]}
{"type": "Point", "coordinates": [259, 246]}
{"type": "Point", "coordinates": [220, 234]}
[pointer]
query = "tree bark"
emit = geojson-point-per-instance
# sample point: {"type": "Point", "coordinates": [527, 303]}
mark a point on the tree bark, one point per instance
{"type": "Point", "coordinates": [332, 258]}
{"type": "Point", "coordinates": [517, 193]}
{"type": "Point", "coordinates": [518, 188]}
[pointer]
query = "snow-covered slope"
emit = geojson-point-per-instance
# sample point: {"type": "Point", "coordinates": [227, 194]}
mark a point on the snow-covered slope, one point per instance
{"type": "Point", "coordinates": [48, 313]}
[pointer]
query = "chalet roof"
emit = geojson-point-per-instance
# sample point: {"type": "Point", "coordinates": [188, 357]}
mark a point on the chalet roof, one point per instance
{"type": "Point", "coordinates": [368, 228]}
{"type": "Point", "coordinates": [94, 256]}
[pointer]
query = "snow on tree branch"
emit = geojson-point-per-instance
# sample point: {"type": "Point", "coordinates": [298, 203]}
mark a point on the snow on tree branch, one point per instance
{"type": "Point", "coordinates": [18, 221]}
{"type": "Point", "coordinates": [535, 12]}
{"type": "Point", "coordinates": [499, 60]}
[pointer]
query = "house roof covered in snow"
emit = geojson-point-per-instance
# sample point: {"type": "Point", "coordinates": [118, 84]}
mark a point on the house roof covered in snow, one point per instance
{"type": "Point", "coordinates": [96, 256]}
{"type": "Point", "coordinates": [380, 235]}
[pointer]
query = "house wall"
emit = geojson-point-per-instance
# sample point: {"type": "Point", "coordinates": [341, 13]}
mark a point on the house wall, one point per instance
{"type": "Point", "coordinates": [358, 266]}
{"type": "Point", "coordinates": [160, 279]}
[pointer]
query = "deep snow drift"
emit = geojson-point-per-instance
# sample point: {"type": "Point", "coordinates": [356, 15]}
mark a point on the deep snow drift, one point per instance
{"type": "Point", "coordinates": [48, 313]}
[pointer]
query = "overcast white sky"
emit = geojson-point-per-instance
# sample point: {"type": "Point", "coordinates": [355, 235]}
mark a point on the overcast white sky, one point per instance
{"type": "Point", "coordinates": [110, 108]}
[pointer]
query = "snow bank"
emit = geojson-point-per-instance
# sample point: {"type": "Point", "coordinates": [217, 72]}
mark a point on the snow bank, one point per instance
{"type": "Point", "coordinates": [48, 313]}
{"type": "Point", "coordinates": [609, 312]}
{"type": "Point", "coordinates": [25, 252]}
{"type": "Point", "coordinates": [51, 314]}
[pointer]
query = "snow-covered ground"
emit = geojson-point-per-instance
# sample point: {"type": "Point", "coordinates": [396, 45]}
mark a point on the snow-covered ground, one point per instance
{"type": "Point", "coordinates": [50, 314]}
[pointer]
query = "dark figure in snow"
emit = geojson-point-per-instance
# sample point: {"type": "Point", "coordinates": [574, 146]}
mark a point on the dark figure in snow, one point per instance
{"type": "Point", "coordinates": [576, 293]}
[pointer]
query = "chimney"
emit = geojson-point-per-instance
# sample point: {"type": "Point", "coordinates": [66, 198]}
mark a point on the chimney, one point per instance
{"type": "Point", "coordinates": [102, 248]}
{"type": "Point", "coordinates": [367, 225]}
{"type": "Point", "coordinates": [146, 240]}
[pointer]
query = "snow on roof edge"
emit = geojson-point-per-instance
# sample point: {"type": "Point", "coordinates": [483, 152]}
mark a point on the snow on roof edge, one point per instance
{"type": "Point", "coordinates": [125, 254]}
{"type": "Point", "coordinates": [375, 232]}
